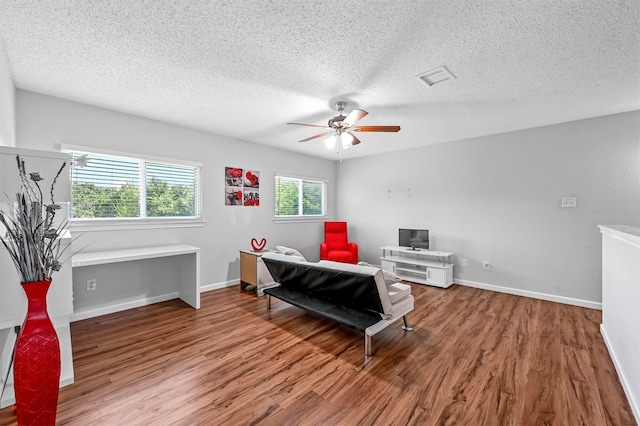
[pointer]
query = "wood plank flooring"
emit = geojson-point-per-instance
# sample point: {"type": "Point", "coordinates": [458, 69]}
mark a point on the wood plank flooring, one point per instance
{"type": "Point", "coordinates": [474, 358]}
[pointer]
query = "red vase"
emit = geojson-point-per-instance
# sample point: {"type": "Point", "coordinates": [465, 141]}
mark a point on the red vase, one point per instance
{"type": "Point", "coordinates": [36, 365]}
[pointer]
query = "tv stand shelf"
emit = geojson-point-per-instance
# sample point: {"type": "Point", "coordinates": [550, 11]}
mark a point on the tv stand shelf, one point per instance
{"type": "Point", "coordinates": [420, 266]}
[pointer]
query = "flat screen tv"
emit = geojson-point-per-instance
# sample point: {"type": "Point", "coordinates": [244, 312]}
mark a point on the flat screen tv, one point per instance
{"type": "Point", "coordinates": [414, 238]}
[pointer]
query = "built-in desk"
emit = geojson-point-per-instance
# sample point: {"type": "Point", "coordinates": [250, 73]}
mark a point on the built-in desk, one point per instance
{"type": "Point", "coordinates": [188, 267]}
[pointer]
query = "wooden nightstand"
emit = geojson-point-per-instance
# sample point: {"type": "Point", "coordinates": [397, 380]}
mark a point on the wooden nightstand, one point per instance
{"type": "Point", "coordinates": [253, 272]}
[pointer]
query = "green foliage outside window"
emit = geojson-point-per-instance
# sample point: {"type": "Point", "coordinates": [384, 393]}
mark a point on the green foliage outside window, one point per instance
{"type": "Point", "coordinates": [91, 201]}
{"type": "Point", "coordinates": [287, 197]}
{"type": "Point", "coordinates": [297, 197]}
{"type": "Point", "coordinates": [107, 187]}
{"type": "Point", "coordinates": [169, 200]}
{"type": "Point", "coordinates": [312, 198]}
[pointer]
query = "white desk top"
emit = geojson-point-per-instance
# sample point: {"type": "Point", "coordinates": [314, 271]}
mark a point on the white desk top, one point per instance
{"type": "Point", "coordinates": [124, 255]}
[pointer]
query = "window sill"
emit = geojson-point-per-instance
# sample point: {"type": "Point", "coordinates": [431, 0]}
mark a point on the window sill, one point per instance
{"type": "Point", "coordinates": [300, 219]}
{"type": "Point", "coordinates": [132, 224]}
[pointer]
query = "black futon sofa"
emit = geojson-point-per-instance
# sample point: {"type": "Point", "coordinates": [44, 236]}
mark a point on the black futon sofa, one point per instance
{"type": "Point", "coordinates": [352, 295]}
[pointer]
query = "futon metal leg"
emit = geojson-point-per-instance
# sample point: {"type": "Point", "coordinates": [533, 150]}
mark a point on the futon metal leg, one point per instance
{"type": "Point", "coordinates": [269, 301]}
{"type": "Point", "coordinates": [406, 326]}
{"type": "Point", "coordinates": [367, 345]}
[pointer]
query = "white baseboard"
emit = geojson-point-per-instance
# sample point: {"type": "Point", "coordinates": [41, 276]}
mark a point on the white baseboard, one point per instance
{"type": "Point", "coordinates": [143, 301]}
{"type": "Point", "coordinates": [117, 307]}
{"type": "Point", "coordinates": [217, 286]}
{"type": "Point", "coordinates": [624, 380]}
{"type": "Point", "coordinates": [532, 294]}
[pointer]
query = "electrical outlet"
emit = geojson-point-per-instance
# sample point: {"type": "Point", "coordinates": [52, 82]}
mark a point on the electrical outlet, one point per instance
{"type": "Point", "coordinates": [568, 202]}
{"type": "Point", "coordinates": [92, 284]}
{"type": "Point", "coordinates": [486, 265]}
{"type": "Point", "coordinates": [464, 262]}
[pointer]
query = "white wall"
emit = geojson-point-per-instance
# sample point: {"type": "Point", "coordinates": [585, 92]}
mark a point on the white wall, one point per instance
{"type": "Point", "coordinates": [7, 101]}
{"type": "Point", "coordinates": [7, 138]}
{"type": "Point", "coordinates": [44, 122]}
{"type": "Point", "coordinates": [497, 198]}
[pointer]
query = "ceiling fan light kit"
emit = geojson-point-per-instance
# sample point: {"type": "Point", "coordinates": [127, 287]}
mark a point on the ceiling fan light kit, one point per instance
{"type": "Point", "coordinates": [338, 130]}
{"type": "Point", "coordinates": [345, 140]}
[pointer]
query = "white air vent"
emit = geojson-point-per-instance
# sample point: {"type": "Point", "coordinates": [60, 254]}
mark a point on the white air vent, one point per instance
{"type": "Point", "coordinates": [435, 76]}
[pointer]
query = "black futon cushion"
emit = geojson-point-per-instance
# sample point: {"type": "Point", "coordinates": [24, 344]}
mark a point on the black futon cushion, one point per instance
{"type": "Point", "coordinates": [349, 298]}
{"type": "Point", "coordinates": [352, 318]}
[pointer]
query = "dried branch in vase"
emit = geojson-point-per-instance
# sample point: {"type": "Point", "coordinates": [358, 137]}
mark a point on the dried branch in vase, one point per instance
{"type": "Point", "coordinates": [32, 240]}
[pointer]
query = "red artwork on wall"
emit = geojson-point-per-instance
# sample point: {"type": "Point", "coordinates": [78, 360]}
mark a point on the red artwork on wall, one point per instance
{"type": "Point", "coordinates": [242, 187]}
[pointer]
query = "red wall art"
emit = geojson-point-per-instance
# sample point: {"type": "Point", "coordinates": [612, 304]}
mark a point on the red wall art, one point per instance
{"type": "Point", "coordinates": [242, 187]}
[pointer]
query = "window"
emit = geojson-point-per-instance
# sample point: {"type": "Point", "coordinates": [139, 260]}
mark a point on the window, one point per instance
{"type": "Point", "coordinates": [297, 197]}
{"type": "Point", "coordinates": [118, 187]}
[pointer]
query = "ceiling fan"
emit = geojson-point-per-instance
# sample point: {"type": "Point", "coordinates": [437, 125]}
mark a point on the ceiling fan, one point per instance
{"type": "Point", "coordinates": [340, 128]}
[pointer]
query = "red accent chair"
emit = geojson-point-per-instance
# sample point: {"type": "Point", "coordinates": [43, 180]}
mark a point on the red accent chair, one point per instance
{"type": "Point", "coordinates": [336, 246]}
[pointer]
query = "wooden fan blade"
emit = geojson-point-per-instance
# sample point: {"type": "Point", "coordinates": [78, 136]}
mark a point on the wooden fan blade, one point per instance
{"type": "Point", "coordinates": [356, 141]}
{"type": "Point", "coordinates": [319, 135]}
{"type": "Point", "coordinates": [354, 116]}
{"type": "Point", "coordinates": [376, 129]}
{"type": "Point", "coordinates": [309, 125]}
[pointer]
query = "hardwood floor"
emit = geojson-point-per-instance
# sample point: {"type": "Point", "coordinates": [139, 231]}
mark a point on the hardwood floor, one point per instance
{"type": "Point", "coordinates": [474, 358]}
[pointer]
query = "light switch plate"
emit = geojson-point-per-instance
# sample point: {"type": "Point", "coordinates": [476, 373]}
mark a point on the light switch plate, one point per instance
{"type": "Point", "coordinates": [568, 202]}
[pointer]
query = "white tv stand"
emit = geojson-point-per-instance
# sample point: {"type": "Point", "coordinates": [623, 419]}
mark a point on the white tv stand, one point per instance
{"type": "Point", "coordinates": [419, 266]}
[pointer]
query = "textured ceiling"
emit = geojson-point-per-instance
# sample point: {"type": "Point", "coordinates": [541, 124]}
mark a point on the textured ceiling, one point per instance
{"type": "Point", "coordinates": [244, 68]}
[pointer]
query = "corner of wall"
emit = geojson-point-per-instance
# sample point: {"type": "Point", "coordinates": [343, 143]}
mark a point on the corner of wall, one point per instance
{"type": "Point", "coordinates": [7, 101]}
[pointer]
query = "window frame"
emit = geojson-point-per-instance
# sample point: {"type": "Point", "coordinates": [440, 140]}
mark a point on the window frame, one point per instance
{"type": "Point", "coordinates": [301, 217]}
{"type": "Point", "coordinates": [98, 224]}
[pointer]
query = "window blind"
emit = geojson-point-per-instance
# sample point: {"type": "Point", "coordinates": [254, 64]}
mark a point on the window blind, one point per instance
{"type": "Point", "coordinates": [105, 187]}
{"type": "Point", "coordinates": [120, 187]}
{"type": "Point", "coordinates": [296, 197]}
{"type": "Point", "coordinates": [170, 190]}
